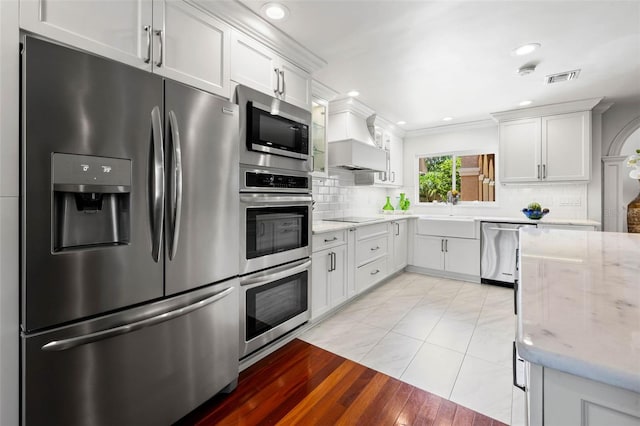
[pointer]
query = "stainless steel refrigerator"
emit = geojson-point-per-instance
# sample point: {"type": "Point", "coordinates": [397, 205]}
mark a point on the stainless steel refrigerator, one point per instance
{"type": "Point", "coordinates": [129, 242]}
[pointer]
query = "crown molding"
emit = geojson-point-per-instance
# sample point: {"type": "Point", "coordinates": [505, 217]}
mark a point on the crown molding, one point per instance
{"type": "Point", "coordinates": [348, 104]}
{"type": "Point", "coordinates": [543, 110]}
{"type": "Point", "coordinates": [323, 91]}
{"type": "Point", "coordinates": [245, 20]}
{"type": "Point", "coordinates": [446, 128]}
{"type": "Point", "coordinates": [602, 107]}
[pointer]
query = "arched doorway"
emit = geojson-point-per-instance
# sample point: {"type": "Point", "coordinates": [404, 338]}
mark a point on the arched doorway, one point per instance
{"type": "Point", "coordinates": [618, 188]}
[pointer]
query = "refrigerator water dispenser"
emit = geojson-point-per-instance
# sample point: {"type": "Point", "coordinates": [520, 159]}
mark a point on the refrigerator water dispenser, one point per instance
{"type": "Point", "coordinates": [91, 201]}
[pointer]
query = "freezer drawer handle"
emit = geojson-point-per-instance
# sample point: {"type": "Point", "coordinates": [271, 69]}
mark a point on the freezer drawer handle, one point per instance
{"type": "Point", "coordinates": [515, 378]}
{"type": "Point", "coordinates": [157, 184]}
{"type": "Point", "coordinates": [61, 345]}
{"type": "Point", "coordinates": [176, 181]}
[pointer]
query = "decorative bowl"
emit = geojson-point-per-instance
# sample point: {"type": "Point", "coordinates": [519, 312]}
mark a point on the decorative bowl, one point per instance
{"type": "Point", "coordinates": [534, 214]}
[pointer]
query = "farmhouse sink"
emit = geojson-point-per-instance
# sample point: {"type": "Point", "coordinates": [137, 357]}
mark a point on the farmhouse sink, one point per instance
{"type": "Point", "coordinates": [448, 226]}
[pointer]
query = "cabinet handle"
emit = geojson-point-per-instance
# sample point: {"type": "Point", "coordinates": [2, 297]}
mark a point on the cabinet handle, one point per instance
{"type": "Point", "coordinates": [147, 29]}
{"type": "Point", "coordinates": [332, 239]}
{"type": "Point", "coordinates": [283, 83]}
{"type": "Point", "coordinates": [515, 379]}
{"type": "Point", "coordinates": [446, 246]}
{"type": "Point", "coordinates": [393, 177]}
{"type": "Point", "coordinates": [333, 256]}
{"type": "Point", "coordinates": [442, 246]}
{"type": "Point", "coordinates": [277, 89]}
{"type": "Point", "coordinates": [515, 297]}
{"type": "Point", "coordinates": [538, 171]}
{"type": "Point", "coordinates": [398, 228]}
{"type": "Point", "coordinates": [375, 248]}
{"type": "Point", "coordinates": [330, 262]}
{"type": "Point", "coordinates": [375, 272]}
{"type": "Point", "coordinates": [544, 171]}
{"type": "Point", "coordinates": [161, 53]}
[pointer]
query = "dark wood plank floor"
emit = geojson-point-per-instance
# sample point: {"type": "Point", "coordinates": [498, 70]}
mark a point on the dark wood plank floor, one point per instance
{"type": "Point", "coordinates": [301, 384]}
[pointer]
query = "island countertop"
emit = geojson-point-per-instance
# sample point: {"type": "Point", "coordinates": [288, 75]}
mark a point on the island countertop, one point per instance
{"type": "Point", "coordinates": [579, 304]}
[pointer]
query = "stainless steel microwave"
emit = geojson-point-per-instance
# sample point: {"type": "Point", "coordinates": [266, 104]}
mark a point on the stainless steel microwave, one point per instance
{"type": "Point", "coordinates": [273, 133]}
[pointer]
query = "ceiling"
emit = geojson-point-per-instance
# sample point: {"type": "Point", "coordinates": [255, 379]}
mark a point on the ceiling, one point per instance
{"type": "Point", "coordinates": [421, 61]}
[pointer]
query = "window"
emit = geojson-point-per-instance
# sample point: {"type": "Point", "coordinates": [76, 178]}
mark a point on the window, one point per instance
{"type": "Point", "coordinates": [471, 176]}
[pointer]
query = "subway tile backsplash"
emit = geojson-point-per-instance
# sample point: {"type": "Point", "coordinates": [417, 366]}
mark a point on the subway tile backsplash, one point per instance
{"type": "Point", "coordinates": [338, 196]}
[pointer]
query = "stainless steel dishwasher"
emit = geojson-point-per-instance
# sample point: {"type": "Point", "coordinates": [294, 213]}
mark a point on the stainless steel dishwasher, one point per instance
{"type": "Point", "coordinates": [499, 246]}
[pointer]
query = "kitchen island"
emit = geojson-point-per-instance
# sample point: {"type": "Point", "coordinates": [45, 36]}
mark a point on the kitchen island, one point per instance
{"type": "Point", "coordinates": [579, 326]}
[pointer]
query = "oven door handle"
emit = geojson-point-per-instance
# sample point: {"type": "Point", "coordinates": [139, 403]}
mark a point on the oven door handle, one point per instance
{"type": "Point", "coordinates": [275, 274]}
{"type": "Point", "coordinates": [260, 200]}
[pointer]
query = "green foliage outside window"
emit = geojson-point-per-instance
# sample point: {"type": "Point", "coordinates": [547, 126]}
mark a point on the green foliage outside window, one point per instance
{"type": "Point", "coordinates": [436, 181]}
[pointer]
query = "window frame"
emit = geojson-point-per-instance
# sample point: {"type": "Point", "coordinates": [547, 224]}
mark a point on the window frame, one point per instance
{"type": "Point", "coordinates": [416, 180]}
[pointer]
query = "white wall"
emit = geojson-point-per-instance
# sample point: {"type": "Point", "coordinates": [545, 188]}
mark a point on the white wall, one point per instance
{"type": "Point", "coordinates": [9, 161]}
{"type": "Point", "coordinates": [564, 200]}
{"type": "Point", "coordinates": [615, 119]}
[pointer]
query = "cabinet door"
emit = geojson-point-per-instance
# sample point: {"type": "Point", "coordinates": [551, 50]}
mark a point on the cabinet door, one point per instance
{"type": "Point", "coordinates": [395, 153]}
{"type": "Point", "coordinates": [319, 117]}
{"type": "Point", "coordinates": [462, 256]}
{"type": "Point", "coordinates": [253, 65]}
{"type": "Point", "coordinates": [338, 277]}
{"type": "Point", "coordinates": [193, 47]}
{"type": "Point", "coordinates": [296, 85]}
{"type": "Point", "coordinates": [566, 146]}
{"type": "Point", "coordinates": [113, 29]}
{"type": "Point", "coordinates": [400, 248]}
{"type": "Point", "coordinates": [320, 302]}
{"type": "Point", "coordinates": [428, 252]}
{"type": "Point", "coordinates": [520, 151]}
{"type": "Point", "coordinates": [383, 140]}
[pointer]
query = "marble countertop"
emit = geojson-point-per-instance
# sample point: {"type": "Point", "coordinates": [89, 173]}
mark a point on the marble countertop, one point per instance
{"type": "Point", "coordinates": [327, 226]}
{"type": "Point", "coordinates": [579, 304]}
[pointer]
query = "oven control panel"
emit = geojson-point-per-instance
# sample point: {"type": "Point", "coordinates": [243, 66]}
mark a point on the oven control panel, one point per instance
{"type": "Point", "coordinates": [259, 180]}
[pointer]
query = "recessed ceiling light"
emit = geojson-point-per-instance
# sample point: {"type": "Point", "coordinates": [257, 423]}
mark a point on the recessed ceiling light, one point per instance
{"type": "Point", "coordinates": [525, 49]}
{"type": "Point", "coordinates": [401, 123]}
{"type": "Point", "coordinates": [275, 11]}
{"type": "Point", "coordinates": [447, 119]}
{"type": "Point", "coordinates": [353, 93]}
{"type": "Point", "coordinates": [525, 103]}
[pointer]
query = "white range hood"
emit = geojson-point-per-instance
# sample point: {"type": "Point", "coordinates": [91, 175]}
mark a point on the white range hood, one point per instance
{"type": "Point", "coordinates": [351, 146]}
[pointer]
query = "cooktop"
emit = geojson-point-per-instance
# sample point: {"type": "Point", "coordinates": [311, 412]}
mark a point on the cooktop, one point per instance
{"type": "Point", "coordinates": [352, 219]}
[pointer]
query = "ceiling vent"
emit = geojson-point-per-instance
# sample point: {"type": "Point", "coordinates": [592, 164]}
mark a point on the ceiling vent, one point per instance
{"type": "Point", "coordinates": [563, 76]}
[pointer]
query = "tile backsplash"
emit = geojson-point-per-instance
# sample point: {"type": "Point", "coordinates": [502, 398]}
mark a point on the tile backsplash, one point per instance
{"type": "Point", "coordinates": [338, 196]}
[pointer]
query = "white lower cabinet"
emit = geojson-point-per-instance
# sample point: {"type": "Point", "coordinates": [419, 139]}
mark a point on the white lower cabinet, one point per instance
{"type": "Point", "coordinates": [371, 274]}
{"type": "Point", "coordinates": [328, 280]}
{"type": "Point", "coordinates": [556, 398]}
{"type": "Point", "coordinates": [399, 245]}
{"type": "Point", "coordinates": [455, 255]}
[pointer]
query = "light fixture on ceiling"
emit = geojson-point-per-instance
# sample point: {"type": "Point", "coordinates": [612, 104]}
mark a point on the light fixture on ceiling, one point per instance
{"type": "Point", "coordinates": [275, 11]}
{"type": "Point", "coordinates": [525, 49]}
{"type": "Point", "coordinates": [401, 123]}
{"type": "Point", "coordinates": [447, 119]}
{"type": "Point", "coordinates": [525, 103]}
{"type": "Point", "coordinates": [526, 69]}
{"type": "Point", "coordinates": [353, 93]}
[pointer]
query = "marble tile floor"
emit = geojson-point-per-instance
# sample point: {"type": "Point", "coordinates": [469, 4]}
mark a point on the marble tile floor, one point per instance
{"type": "Point", "coordinates": [448, 337]}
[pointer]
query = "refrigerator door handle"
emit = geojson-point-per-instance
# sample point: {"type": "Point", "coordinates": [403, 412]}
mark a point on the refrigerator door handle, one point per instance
{"type": "Point", "coordinates": [157, 184]}
{"type": "Point", "coordinates": [176, 178]}
{"type": "Point", "coordinates": [61, 345]}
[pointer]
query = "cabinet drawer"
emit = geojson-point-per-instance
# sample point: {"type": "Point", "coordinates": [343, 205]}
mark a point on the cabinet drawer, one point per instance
{"type": "Point", "coordinates": [371, 249]}
{"type": "Point", "coordinates": [370, 274]}
{"type": "Point", "coordinates": [328, 239]}
{"type": "Point", "coordinates": [372, 230]}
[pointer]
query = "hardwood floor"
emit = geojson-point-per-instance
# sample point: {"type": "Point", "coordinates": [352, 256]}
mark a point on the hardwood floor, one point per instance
{"type": "Point", "coordinates": [301, 384]}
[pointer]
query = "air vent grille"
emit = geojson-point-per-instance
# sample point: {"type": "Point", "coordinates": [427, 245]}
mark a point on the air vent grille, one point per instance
{"type": "Point", "coordinates": [563, 76]}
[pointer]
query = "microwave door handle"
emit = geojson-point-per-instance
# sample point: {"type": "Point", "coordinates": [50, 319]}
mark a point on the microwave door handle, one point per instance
{"type": "Point", "coordinates": [277, 274]}
{"type": "Point", "coordinates": [176, 178]}
{"type": "Point", "coordinates": [61, 345]}
{"type": "Point", "coordinates": [156, 187]}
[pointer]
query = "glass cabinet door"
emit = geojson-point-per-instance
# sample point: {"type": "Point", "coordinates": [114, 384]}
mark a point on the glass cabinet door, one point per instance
{"type": "Point", "coordinates": [319, 112]}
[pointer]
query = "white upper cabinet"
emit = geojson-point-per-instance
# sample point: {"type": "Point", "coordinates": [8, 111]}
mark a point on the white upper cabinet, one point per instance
{"type": "Point", "coordinates": [551, 143]}
{"type": "Point", "coordinates": [520, 150]}
{"type": "Point", "coordinates": [120, 30]}
{"type": "Point", "coordinates": [566, 145]}
{"type": "Point", "coordinates": [256, 66]}
{"type": "Point", "coordinates": [191, 46]}
{"type": "Point", "coordinates": [393, 145]}
{"type": "Point", "coordinates": [395, 161]}
{"type": "Point", "coordinates": [169, 37]}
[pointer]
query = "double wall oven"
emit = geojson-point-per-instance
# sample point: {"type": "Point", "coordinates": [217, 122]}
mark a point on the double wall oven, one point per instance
{"type": "Point", "coordinates": [275, 218]}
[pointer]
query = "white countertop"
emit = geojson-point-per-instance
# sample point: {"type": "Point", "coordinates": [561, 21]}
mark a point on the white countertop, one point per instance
{"type": "Point", "coordinates": [327, 226]}
{"type": "Point", "coordinates": [579, 304]}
